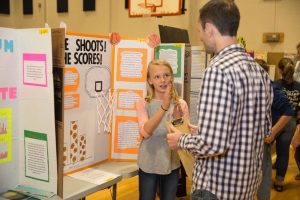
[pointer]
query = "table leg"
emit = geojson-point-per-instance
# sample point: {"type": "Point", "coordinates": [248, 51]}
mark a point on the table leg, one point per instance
{"type": "Point", "coordinates": [114, 197]}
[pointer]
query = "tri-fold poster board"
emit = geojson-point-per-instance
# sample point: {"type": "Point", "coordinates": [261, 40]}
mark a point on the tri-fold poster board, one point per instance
{"type": "Point", "coordinates": [27, 133]}
{"type": "Point", "coordinates": [68, 102]}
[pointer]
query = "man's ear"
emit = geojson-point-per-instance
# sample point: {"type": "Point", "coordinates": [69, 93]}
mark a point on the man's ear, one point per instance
{"type": "Point", "coordinates": [209, 29]}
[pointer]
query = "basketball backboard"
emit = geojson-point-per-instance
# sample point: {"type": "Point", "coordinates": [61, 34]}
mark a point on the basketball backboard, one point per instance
{"type": "Point", "coordinates": [140, 8]}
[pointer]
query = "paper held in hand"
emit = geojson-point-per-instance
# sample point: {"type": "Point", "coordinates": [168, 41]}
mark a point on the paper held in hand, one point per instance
{"type": "Point", "coordinates": [186, 159]}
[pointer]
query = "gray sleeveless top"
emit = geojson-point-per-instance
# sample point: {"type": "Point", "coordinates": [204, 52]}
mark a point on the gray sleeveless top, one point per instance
{"type": "Point", "coordinates": [155, 156]}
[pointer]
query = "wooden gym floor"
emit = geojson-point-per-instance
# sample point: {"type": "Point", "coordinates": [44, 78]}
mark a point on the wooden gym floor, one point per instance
{"type": "Point", "coordinates": [127, 189]}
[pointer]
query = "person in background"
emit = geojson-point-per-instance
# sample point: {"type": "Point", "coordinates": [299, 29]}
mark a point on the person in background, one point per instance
{"type": "Point", "coordinates": [234, 112]}
{"type": "Point", "coordinates": [297, 65]}
{"type": "Point", "coordinates": [282, 112]}
{"type": "Point", "coordinates": [296, 140]}
{"type": "Point", "coordinates": [298, 52]}
{"type": "Point", "coordinates": [291, 88]}
{"type": "Point", "coordinates": [296, 144]}
{"type": "Point", "coordinates": [158, 163]}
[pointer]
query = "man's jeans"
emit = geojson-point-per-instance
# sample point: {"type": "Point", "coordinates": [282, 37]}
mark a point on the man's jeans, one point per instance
{"type": "Point", "coordinates": [264, 190]}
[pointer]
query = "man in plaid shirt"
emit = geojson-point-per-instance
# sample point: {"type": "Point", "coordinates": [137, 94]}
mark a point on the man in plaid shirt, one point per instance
{"type": "Point", "coordinates": [234, 112]}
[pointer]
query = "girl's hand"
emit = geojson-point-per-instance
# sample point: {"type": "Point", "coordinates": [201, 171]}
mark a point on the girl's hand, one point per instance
{"type": "Point", "coordinates": [177, 112]}
{"type": "Point", "coordinates": [167, 97]}
{"type": "Point", "coordinates": [269, 139]}
{"type": "Point", "coordinates": [298, 128]}
{"type": "Point", "coordinates": [193, 128]}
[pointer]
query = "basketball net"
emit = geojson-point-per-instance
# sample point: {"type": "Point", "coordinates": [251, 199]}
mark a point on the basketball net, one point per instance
{"type": "Point", "coordinates": [105, 104]}
{"type": "Point", "coordinates": [146, 10]}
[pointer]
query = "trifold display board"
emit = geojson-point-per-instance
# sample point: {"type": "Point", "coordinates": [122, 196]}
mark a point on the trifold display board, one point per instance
{"type": "Point", "coordinates": [98, 74]}
{"type": "Point", "coordinates": [87, 72]}
{"type": "Point", "coordinates": [101, 84]}
{"type": "Point", "coordinates": [130, 61]}
{"type": "Point", "coordinates": [27, 130]}
{"type": "Point", "coordinates": [98, 87]}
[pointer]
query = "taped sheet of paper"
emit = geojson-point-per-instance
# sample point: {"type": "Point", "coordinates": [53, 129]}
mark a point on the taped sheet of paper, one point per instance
{"type": "Point", "coordinates": [186, 159]}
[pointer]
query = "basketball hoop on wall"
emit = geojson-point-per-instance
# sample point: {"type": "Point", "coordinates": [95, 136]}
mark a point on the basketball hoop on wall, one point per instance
{"type": "Point", "coordinates": [153, 8]}
{"type": "Point", "coordinates": [147, 9]}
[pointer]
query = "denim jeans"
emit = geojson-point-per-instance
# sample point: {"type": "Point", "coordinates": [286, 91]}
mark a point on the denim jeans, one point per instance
{"type": "Point", "coordinates": [297, 157]}
{"type": "Point", "coordinates": [167, 185]}
{"type": "Point", "coordinates": [283, 141]}
{"type": "Point", "coordinates": [203, 195]}
{"type": "Point", "coordinates": [264, 190]}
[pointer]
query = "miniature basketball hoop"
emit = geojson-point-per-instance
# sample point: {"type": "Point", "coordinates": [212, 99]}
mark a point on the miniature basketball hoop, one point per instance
{"type": "Point", "coordinates": [105, 104]}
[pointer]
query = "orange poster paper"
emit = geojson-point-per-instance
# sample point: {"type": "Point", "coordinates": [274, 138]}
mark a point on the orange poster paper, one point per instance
{"type": "Point", "coordinates": [71, 101]}
{"type": "Point", "coordinates": [127, 137]}
{"type": "Point", "coordinates": [131, 64]}
{"type": "Point", "coordinates": [72, 79]}
{"type": "Point", "coordinates": [126, 98]}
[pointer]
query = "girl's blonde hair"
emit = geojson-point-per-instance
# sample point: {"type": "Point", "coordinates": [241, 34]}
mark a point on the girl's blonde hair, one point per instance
{"type": "Point", "coordinates": [150, 88]}
{"type": "Point", "coordinates": [288, 68]}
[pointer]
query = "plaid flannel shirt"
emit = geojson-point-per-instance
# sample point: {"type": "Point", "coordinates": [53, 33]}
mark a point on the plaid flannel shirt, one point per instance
{"type": "Point", "coordinates": [234, 117]}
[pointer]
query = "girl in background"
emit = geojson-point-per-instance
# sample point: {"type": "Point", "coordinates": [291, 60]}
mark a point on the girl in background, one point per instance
{"type": "Point", "coordinates": [296, 144]}
{"type": "Point", "coordinates": [282, 112]}
{"type": "Point", "coordinates": [158, 163]}
{"type": "Point", "coordinates": [292, 90]}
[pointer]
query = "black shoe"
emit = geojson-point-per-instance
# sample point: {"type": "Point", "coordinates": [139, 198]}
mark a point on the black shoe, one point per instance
{"type": "Point", "coordinates": [278, 188]}
{"type": "Point", "coordinates": [297, 177]}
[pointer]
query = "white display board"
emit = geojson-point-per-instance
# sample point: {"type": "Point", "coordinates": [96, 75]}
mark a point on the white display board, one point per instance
{"type": "Point", "coordinates": [198, 65]}
{"type": "Point", "coordinates": [87, 72]}
{"type": "Point", "coordinates": [27, 128]}
{"type": "Point", "coordinates": [130, 60]}
{"type": "Point", "coordinates": [94, 67]}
